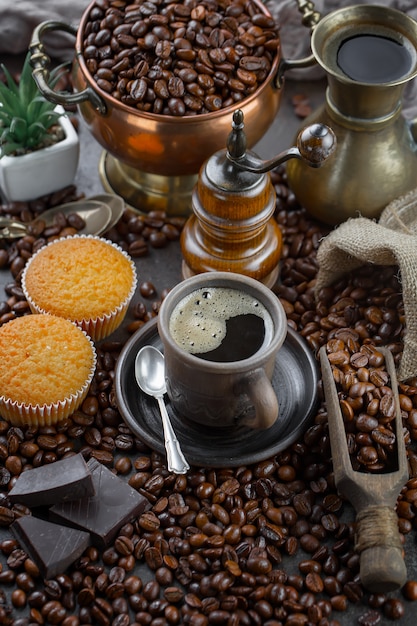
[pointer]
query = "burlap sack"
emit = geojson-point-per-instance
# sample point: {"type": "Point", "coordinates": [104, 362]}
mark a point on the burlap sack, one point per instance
{"type": "Point", "coordinates": [390, 241]}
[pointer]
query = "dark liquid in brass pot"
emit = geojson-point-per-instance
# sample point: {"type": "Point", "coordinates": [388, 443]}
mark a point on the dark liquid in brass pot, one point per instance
{"type": "Point", "coordinates": [374, 59]}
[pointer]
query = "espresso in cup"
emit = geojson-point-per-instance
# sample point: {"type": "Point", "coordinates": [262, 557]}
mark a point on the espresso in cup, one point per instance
{"type": "Point", "coordinates": [221, 324]}
{"type": "Point", "coordinates": [221, 332]}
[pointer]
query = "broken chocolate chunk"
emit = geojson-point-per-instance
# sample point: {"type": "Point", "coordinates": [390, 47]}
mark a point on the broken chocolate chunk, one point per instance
{"type": "Point", "coordinates": [51, 546]}
{"type": "Point", "coordinates": [114, 503]}
{"type": "Point", "coordinates": [66, 479]}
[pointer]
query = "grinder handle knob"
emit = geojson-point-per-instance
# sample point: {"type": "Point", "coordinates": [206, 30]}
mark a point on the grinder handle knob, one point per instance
{"type": "Point", "coordinates": [316, 143]}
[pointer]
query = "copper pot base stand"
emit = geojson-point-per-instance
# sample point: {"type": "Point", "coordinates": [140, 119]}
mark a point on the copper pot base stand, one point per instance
{"type": "Point", "coordinates": [145, 192]}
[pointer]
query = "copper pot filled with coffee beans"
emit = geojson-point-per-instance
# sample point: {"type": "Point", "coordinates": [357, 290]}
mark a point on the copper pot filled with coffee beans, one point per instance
{"type": "Point", "coordinates": [157, 83]}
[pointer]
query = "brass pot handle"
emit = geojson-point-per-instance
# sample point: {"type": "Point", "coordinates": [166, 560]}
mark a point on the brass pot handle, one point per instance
{"type": "Point", "coordinates": [40, 62]}
{"type": "Point", "coordinates": [310, 17]}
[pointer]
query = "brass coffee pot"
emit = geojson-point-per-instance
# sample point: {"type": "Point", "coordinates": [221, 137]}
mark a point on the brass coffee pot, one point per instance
{"type": "Point", "coordinates": [376, 156]}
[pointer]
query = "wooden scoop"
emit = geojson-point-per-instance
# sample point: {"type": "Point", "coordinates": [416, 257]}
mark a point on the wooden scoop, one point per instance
{"type": "Point", "coordinates": [373, 496]}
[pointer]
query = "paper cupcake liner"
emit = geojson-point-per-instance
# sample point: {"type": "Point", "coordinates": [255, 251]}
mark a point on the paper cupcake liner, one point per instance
{"type": "Point", "coordinates": [97, 328]}
{"type": "Point", "coordinates": [21, 414]}
{"type": "Point", "coordinates": [102, 327]}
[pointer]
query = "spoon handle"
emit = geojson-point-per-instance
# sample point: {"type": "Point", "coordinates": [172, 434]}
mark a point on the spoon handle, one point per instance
{"type": "Point", "coordinates": [175, 457]}
{"type": "Point", "coordinates": [11, 228]}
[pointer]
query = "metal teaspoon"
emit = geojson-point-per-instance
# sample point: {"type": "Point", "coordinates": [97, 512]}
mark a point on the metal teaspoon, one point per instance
{"type": "Point", "coordinates": [96, 214]}
{"type": "Point", "coordinates": [116, 204]}
{"type": "Point", "coordinates": [150, 376]}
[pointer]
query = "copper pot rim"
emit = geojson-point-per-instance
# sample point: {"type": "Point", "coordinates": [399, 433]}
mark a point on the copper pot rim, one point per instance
{"type": "Point", "coordinates": [172, 119]}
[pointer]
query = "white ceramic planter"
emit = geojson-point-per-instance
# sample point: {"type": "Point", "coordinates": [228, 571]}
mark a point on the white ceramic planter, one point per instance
{"type": "Point", "coordinates": [39, 173]}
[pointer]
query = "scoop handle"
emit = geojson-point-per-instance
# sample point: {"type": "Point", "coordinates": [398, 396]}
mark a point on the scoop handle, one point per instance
{"type": "Point", "coordinates": [382, 569]}
{"type": "Point", "coordinates": [381, 566]}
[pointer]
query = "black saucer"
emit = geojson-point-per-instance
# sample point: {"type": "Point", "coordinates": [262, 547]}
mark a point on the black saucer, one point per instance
{"type": "Point", "coordinates": [295, 381]}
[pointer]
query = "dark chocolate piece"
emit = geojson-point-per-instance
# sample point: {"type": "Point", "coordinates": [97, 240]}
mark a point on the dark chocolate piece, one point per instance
{"type": "Point", "coordinates": [51, 546]}
{"type": "Point", "coordinates": [115, 503]}
{"type": "Point", "coordinates": [66, 479]}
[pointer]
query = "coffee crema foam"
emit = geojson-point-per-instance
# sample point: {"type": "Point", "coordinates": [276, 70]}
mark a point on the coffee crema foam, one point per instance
{"type": "Point", "coordinates": [198, 322]}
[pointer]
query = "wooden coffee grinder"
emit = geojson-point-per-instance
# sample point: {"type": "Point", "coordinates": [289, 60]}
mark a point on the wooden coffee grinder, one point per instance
{"type": "Point", "coordinates": [233, 227]}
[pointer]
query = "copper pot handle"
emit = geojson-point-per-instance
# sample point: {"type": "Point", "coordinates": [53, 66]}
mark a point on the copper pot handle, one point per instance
{"type": "Point", "coordinates": [310, 17]}
{"type": "Point", "coordinates": [40, 62]}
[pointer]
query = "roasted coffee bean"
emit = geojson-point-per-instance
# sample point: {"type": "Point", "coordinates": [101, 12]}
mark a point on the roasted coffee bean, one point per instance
{"type": "Point", "coordinates": [147, 289]}
{"type": "Point", "coordinates": [369, 618]}
{"type": "Point", "coordinates": [410, 590]}
{"type": "Point", "coordinates": [393, 609]}
{"type": "Point", "coordinates": [3, 258]}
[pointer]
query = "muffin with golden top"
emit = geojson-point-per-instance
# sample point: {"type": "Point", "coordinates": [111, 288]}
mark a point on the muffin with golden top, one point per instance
{"type": "Point", "coordinates": [85, 279]}
{"type": "Point", "coordinates": [46, 368]}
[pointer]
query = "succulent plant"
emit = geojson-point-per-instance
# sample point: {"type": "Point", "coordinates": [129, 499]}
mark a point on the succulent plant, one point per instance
{"type": "Point", "coordinates": [26, 117]}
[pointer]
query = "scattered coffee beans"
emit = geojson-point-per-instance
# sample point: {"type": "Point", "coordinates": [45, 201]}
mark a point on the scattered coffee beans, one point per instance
{"type": "Point", "coordinates": [269, 543]}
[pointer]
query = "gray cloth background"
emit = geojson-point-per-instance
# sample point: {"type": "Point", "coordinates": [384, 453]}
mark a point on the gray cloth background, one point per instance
{"type": "Point", "coordinates": [18, 18]}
